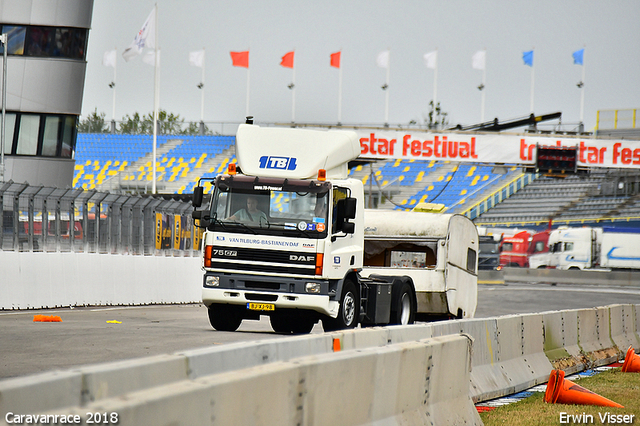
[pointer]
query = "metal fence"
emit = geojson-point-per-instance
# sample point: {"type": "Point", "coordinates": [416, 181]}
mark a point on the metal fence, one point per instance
{"type": "Point", "coordinates": [46, 219]}
{"type": "Point", "coordinates": [617, 119]}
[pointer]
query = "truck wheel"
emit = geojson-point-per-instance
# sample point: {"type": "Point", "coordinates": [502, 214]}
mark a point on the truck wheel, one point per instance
{"type": "Point", "coordinates": [291, 324]}
{"type": "Point", "coordinates": [224, 317]}
{"type": "Point", "coordinates": [279, 324]}
{"type": "Point", "coordinates": [349, 309]}
{"type": "Point", "coordinates": [303, 326]}
{"type": "Point", "coordinates": [403, 310]}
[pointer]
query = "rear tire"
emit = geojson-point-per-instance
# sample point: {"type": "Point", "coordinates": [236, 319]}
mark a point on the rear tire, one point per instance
{"type": "Point", "coordinates": [349, 309]}
{"type": "Point", "coordinates": [403, 309]}
{"type": "Point", "coordinates": [224, 317]}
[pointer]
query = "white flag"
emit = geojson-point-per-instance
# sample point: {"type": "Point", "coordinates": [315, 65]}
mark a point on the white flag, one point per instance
{"type": "Point", "coordinates": [109, 58]}
{"type": "Point", "coordinates": [146, 37]}
{"type": "Point", "coordinates": [430, 59]}
{"type": "Point", "coordinates": [197, 58]}
{"type": "Point", "coordinates": [150, 57]}
{"type": "Point", "coordinates": [383, 59]}
{"type": "Point", "coordinates": [478, 60]}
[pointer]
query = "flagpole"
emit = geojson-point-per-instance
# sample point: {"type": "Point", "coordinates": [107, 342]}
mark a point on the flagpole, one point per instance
{"type": "Point", "coordinates": [435, 83]}
{"type": "Point", "coordinates": [113, 107]}
{"type": "Point", "coordinates": [340, 91]}
{"type": "Point", "coordinates": [386, 93]}
{"type": "Point", "coordinates": [293, 93]}
{"type": "Point", "coordinates": [248, 78]}
{"type": "Point", "coordinates": [532, 84]}
{"type": "Point", "coordinates": [484, 86]}
{"type": "Point", "coordinates": [155, 101]}
{"type": "Point", "coordinates": [202, 98]}
{"type": "Point", "coordinates": [582, 94]}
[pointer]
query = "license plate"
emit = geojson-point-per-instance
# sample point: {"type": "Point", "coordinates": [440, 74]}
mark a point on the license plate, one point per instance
{"type": "Point", "coordinates": [261, 306]}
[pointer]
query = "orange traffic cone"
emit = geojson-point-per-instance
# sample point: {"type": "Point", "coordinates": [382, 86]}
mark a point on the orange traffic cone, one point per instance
{"type": "Point", "coordinates": [563, 391]}
{"type": "Point", "coordinates": [631, 362]}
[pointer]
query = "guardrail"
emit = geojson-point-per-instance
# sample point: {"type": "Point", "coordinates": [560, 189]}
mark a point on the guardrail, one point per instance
{"type": "Point", "coordinates": [417, 374]}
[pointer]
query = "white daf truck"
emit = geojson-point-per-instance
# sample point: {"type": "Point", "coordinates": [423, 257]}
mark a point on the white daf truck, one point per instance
{"type": "Point", "coordinates": [286, 235]}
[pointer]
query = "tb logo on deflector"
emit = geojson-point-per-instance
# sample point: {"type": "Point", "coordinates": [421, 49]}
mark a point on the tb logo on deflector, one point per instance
{"type": "Point", "coordinates": [280, 163]}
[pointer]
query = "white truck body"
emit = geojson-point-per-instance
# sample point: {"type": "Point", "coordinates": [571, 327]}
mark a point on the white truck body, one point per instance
{"type": "Point", "coordinates": [595, 248]}
{"type": "Point", "coordinates": [298, 262]}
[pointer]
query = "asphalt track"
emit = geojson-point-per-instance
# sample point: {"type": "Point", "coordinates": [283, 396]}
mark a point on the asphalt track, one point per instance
{"type": "Point", "coordinates": [85, 337]}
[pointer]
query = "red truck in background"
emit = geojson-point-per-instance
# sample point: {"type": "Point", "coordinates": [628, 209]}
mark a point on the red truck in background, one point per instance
{"type": "Point", "coordinates": [516, 250]}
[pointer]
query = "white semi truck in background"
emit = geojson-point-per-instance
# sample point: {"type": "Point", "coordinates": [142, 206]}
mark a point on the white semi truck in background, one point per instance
{"type": "Point", "coordinates": [286, 235]}
{"type": "Point", "coordinates": [593, 248]}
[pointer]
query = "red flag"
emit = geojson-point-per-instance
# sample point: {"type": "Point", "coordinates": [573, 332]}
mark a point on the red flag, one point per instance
{"type": "Point", "coordinates": [335, 59]}
{"type": "Point", "coordinates": [240, 59]}
{"type": "Point", "coordinates": [287, 60]}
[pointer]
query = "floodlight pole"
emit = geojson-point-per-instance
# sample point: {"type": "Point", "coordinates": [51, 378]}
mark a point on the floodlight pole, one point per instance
{"type": "Point", "coordinates": [3, 40]}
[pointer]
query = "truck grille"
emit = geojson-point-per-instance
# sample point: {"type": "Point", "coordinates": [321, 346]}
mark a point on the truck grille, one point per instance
{"type": "Point", "coordinates": [272, 261]}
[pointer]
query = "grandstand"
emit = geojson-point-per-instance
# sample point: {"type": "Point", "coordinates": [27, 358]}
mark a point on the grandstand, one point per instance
{"type": "Point", "coordinates": [489, 196]}
{"type": "Point", "coordinates": [123, 163]}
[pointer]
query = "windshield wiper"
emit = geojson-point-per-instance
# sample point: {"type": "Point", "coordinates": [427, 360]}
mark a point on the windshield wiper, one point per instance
{"type": "Point", "coordinates": [243, 225]}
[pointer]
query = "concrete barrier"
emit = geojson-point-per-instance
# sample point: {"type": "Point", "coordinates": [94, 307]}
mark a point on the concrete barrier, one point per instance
{"type": "Point", "coordinates": [622, 327]}
{"type": "Point", "coordinates": [594, 337]}
{"type": "Point", "coordinates": [355, 387]}
{"type": "Point", "coordinates": [510, 353]}
{"type": "Point", "coordinates": [49, 280]}
{"type": "Point", "coordinates": [561, 340]}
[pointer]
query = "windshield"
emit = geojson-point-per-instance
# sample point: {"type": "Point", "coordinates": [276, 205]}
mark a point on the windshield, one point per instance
{"type": "Point", "coordinates": [270, 207]}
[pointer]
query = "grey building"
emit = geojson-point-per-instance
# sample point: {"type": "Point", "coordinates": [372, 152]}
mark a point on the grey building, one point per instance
{"type": "Point", "coordinates": [46, 65]}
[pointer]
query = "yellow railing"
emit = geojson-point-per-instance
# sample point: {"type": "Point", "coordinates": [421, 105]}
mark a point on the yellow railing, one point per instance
{"type": "Point", "coordinates": [616, 119]}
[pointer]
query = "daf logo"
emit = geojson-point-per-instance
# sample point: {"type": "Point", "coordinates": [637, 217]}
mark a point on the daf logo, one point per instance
{"type": "Point", "coordinates": [302, 258]}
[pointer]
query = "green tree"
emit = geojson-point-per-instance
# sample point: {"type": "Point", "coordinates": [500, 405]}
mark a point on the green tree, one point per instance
{"type": "Point", "coordinates": [193, 129]}
{"type": "Point", "coordinates": [131, 125]}
{"type": "Point", "coordinates": [437, 118]}
{"type": "Point", "coordinates": [94, 123]}
{"type": "Point", "coordinates": [168, 124]}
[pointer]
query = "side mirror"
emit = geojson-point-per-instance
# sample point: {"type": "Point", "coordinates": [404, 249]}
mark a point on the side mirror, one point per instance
{"type": "Point", "coordinates": [350, 208]}
{"type": "Point", "coordinates": [202, 217]}
{"type": "Point", "coordinates": [345, 210]}
{"type": "Point", "coordinates": [198, 194]}
{"type": "Point", "coordinates": [348, 227]}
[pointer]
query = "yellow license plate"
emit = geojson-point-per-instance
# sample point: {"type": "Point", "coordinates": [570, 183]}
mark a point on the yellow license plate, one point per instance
{"type": "Point", "coordinates": [261, 306]}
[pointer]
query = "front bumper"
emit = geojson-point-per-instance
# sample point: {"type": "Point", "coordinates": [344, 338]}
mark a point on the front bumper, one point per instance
{"type": "Point", "coordinates": [282, 292]}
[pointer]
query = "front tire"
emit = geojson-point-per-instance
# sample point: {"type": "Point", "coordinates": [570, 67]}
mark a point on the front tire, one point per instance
{"type": "Point", "coordinates": [224, 317]}
{"type": "Point", "coordinates": [349, 309]}
{"type": "Point", "coordinates": [291, 324]}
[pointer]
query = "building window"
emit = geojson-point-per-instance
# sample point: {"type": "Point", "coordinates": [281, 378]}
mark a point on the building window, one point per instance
{"type": "Point", "coordinates": [28, 135]}
{"type": "Point", "coordinates": [50, 138]}
{"type": "Point", "coordinates": [68, 137]}
{"type": "Point", "coordinates": [40, 41]}
{"type": "Point", "coordinates": [10, 124]}
{"type": "Point", "coordinates": [16, 35]}
{"type": "Point", "coordinates": [47, 135]}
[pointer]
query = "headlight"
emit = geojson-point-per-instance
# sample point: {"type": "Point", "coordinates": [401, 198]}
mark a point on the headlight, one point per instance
{"type": "Point", "coordinates": [312, 287]}
{"type": "Point", "coordinates": [212, 281]}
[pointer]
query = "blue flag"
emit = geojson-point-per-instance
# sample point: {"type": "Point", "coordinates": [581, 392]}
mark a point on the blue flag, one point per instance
{"type": "Point", "coordinates": [527, 57]}
{"type": "Point", "coordinates": [578, 57]}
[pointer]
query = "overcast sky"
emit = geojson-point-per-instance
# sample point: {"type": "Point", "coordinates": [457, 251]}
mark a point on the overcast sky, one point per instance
{"type": "Point", "coordinates": [609, 31]}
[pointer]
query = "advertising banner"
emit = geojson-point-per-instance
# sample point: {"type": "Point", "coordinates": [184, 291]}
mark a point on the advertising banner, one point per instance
{"type": "Point", "coordinates": [493, 148]}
